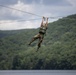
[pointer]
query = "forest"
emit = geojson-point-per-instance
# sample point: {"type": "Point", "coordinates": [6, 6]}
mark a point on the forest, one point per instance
{"type": "Point", "coordinates": [58, 50]}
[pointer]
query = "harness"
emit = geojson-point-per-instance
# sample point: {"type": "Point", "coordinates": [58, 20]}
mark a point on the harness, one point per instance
{"type": "Point", "coordinates": [43, 29]}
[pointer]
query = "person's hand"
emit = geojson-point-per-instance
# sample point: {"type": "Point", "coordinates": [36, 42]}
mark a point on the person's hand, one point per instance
{"type": "Point", "coordinates": [43, 17]}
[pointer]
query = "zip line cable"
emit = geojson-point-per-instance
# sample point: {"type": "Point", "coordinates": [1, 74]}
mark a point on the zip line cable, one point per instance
{"type": "Point", "coordinates": [20, 10]}
{"type": "Point", "coordinates": [30, 14]}
{"type": "Point", "coordinates": [25, 11]}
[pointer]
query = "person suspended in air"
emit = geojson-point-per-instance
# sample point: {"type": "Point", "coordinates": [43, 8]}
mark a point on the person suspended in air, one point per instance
{"type": "Point", "coordinates": [42, 32]}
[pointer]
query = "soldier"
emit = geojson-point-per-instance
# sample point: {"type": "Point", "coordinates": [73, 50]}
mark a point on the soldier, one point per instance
{"type": "Point", "coordinates": [42, 32]}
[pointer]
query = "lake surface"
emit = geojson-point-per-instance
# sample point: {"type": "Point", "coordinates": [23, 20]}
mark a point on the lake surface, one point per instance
{"type": "Point", "coordinates": [37, 72]}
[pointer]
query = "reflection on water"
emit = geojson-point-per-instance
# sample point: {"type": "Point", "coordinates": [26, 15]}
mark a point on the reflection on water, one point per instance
{"type": "Point", "coordinates": [38, 72]}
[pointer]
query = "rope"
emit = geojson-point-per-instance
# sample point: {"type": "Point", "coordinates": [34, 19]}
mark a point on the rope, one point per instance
{"type": "Point", "coordinates": [30, 14]}
{"type": "Point", "coordinates": [20, 10]}
{"type": "Point", "coordinates": [26, 12]}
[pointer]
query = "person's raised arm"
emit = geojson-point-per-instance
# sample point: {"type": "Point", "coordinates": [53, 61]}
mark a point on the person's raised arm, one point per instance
{"type": "Point", "coordinates": [42, 21]}
{"type": "Point", "coordinates": [46, 22]}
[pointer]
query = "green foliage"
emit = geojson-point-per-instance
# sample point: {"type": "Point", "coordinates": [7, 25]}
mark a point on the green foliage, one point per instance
{"type": "Point", "coordinates": [58, 50]}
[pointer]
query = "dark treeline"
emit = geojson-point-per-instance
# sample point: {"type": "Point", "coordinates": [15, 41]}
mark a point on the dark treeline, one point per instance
{"type": "Point", "coordinates": [58, 50]}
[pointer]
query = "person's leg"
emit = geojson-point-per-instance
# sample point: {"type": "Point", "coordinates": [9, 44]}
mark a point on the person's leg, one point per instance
{"type": "Point", "coordinates": [39, 44]}
{"type": "Point", "coordinates": [34, 38]}
{"type": "Point", "coordinates": [40, 41]}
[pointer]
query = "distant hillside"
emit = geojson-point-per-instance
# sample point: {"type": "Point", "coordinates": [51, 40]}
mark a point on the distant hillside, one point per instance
{"type": "Point", "coordinates": [58, 50]}
{"type": "Point", "coordinates": [4, 33]}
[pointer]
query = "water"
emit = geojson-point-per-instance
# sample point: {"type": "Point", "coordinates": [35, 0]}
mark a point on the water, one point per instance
{"type": "Point", "coordinates": [38, 72]}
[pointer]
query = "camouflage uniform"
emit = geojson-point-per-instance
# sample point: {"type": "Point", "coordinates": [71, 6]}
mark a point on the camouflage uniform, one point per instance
{"type": "Point", "coordinates": [40, 35]}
